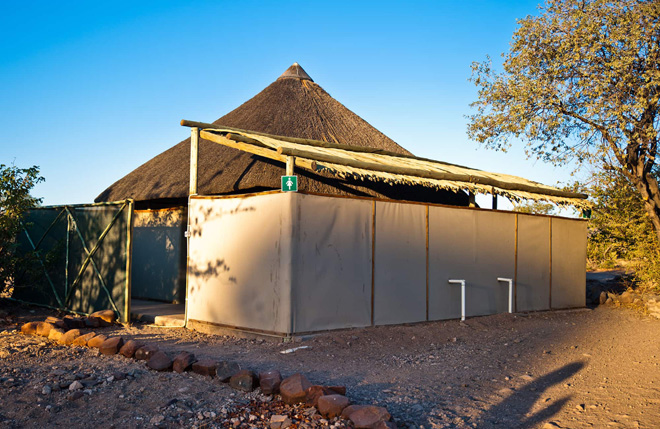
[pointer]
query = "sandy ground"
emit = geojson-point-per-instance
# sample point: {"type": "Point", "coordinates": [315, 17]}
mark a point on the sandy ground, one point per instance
{"type": "Point", "coordinates": [572, 369]}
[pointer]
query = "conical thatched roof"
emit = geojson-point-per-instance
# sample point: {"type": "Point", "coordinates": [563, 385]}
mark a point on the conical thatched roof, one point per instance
{"type": "Point", "coordinates": [292, 106]}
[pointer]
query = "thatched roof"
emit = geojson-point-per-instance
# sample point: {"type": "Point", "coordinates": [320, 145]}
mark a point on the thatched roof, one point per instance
{"type": "Point", "coordinates": [293, 106]}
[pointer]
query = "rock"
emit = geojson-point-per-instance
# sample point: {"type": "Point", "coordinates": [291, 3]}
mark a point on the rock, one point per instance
{"type": "Point", "coordinates": [339, 390]}
{"type": "Point", "coordinates": [43, 328]}
{"type": "Point", "coordinates": [627, 297]}
{"type": "Point", "coordinates": [226, 369]}
{"type": "Point", "coordinates": [365, 416]}
{"type": "Point", "coordinates": [83, 339]}
{"type": "Point", "coordinates": [206, 367]}
{"type": "Point", "coordinates": [384, 425]}
{"type": "Point", "coordinates": [551, 425]}
{"type": "Point", "coordinates": [160, 361]}
{"type": "Point", "coordinates": [55, 334]}
{"type": "Point", "coordinates": [145, 352]}
{"type": "Point", "coordinates": [129, 348]}
{"type": "Point", "coordinates": [111, 346]}
{"type": "Point", "coordinates": [76, 385]}
{"type": "Point", "coordinates": [609, 301]}
{"type": "Point", "coordinates": [107, 316]}
{"type": "Point", "coordinates": [293, 389]}
{"type": "Point", "coordinates": [73, 322]}
{"type": "Point", "coordinates": [183, 362]}
{"type": "Point", "coordinates": [331, 406]}
{"type": "Point", "coordinates": [313, 393]}
{"type": "Point", "coordinates": [76, 395]}
{"type": "Point", "coordinates": [46, 390]}
{"type": "Point", "coordinates": [602, 298]}
{"type": "Point", "coordinates": [96, 341]}
{"type": "Point", "coordinates": [244, 380]}
{"type": "Point", "coordinates": [56, 321]}
{"type": "Point", "coordinates": [118, 375]}
{"type": "Point", "coordinates": [279, 422]}
{"type": "Point", "coordinates": [269, 381]}
{"type": "Point", "coordinates": [93, 322]}
{"type": "Point", "coordinates": [69, 336]}
{"type": "Point", "coordinates": [29, 328]}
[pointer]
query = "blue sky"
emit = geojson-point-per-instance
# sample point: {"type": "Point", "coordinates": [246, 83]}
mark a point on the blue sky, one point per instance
{"type": "Point", "coordinates": [91, 90]}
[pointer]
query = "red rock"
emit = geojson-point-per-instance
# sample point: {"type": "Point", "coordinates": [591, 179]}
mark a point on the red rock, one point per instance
{"type": "Point", "coordinates": [29, 328]}
{"type": "Point", "coordinates": [384, 425]}
{"type": "Point", "coordinates": [111, 346]}
{"type": "Point", "coordinates": [270, 381]}
{"type": "Point", "coordinates": [339, 390]}
{"type": "Point", "coordinates": [69, 336]}
{"type": "Point", "coordinates": [93, 322]}
{"type": "Point", "coordinates": [313, 393]}
{"type": "Point", "coordinates": [129, 348]}
{"type": "Point", "coordinates": [83, 339]}
{"type": "Point", "coordinates": [108, 316]}
{"type": "Point", "coordinates": [183, 362]}
{"type": "Point", "coordinates": [73, 322]}
{"type": "Point", "coordinates": [43, 328]}
{"type": "Point", "coordinates": [244, 380]}
{"type": "Point", "coordinates": [226, 369]}
{"type": "Point", "coordinates": [145, 352]}
{"type": "Point", "coordinates": [365, 416]}
{"type": "Point", "coordinates": [205, 367]}
{"type": "Point", "coordinates": [57, 322]}
{"type": "Point", "coordinates": [331, 406]}
{"type": "Point", "coordinates": [293, 389]}
{"type": "Point", "coordinates": [96, 341]}
{"type": "Point", "coordinates": [55, 334]}
{"type": "Point", "coordinates": [160, 361]}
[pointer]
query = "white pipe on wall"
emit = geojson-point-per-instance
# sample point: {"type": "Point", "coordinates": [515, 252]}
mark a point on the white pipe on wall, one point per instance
{"type": "Point", "coordinates": [510, 281]}
{"type": "Point", "coordinates": [462, 283]}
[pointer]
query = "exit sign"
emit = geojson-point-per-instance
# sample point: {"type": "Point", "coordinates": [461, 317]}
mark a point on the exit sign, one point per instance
{"type": "Point", "coordinates": [289, 183]}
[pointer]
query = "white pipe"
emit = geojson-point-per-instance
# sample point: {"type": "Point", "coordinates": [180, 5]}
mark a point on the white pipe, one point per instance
{"type": "Point", "coordinates": [503, 279]}
{"type": "Point", "coordinates": [462, 283]}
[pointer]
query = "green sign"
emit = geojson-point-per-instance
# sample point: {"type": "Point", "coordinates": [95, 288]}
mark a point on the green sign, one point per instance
{"type": "Point", "coordinates": [289, 183]}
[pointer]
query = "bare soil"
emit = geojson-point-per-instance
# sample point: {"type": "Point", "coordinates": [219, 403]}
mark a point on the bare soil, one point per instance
{"type": "Point", "coordinates": [571, 369]}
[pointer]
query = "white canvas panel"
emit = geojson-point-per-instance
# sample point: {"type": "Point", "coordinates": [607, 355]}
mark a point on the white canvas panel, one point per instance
{"type": "Point", "coordinates": [533, 278]}
{"type": "Point", "coordinates": [331, 263]}
{"type": "Point", "coordinates": [239, 262]}
{"type": "Point", "coordinates": [400, 263]}
{"type": "Point", "coordinates": [475, 246]}
{"type": "Point", "coordinates": [569, 256]}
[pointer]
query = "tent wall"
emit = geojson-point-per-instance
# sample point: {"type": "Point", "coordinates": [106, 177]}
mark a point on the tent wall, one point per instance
{"type": "Point", "coordinates": [159, 255]}
{"type": "Point", "coordinates": [239, 272]}
{"type": "Point", "coordinates": [331, 263]}
{"type": "Point", "coordinates": [83, 261]}
{"type": "Point", "coordinates": [293, 263]}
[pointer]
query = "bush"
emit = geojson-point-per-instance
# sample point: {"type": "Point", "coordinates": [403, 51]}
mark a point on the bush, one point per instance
{"type": "Point", "coordinates": [15, 186]}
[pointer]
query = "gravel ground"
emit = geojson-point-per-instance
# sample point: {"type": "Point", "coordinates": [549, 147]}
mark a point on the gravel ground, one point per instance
{"type": "Point", "coordinates": [571, 369]}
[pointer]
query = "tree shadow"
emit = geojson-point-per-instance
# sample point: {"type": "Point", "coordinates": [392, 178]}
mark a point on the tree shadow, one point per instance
{"type": "Point", "coordinates": [512, 411]}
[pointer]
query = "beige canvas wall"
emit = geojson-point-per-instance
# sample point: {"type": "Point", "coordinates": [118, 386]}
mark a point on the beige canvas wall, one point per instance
{"type": "Point", "coordinates": [471, 245]}
{"type": "Point", "coordinates": [569, 255]}
{"type": "Point", "coordinates": [533, 279]}
{"type": "Point", "coordinates": [331, 263]}
{"type": "Point", "coordinates": [400, 263]}
{"type": "Point", "coordinates": [239, 269]}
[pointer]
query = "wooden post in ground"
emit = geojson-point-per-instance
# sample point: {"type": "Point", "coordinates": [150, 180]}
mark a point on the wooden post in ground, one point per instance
{"type": "Point", "coordinates": [194, 148]}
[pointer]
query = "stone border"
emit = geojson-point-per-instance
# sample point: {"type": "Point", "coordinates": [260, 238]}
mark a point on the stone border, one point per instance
{"type": "Point", "coordinates": [330, 401]}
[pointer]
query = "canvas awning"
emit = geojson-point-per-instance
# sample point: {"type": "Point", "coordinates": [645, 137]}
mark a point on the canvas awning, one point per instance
{"type": "Point", "coordinates": [366, 163]}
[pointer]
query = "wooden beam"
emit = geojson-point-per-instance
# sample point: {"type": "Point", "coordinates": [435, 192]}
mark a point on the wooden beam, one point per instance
{"type": "Point", "coordinates": [290, 162]}
{"type": "Point", "coordinates": [494, 202]}
{"type": "Point", "coordinates": [426, 174]}
{"type": "Point", "coordinates": [472, 201]}
{"type": "Point", "coordinates": [194, 149]}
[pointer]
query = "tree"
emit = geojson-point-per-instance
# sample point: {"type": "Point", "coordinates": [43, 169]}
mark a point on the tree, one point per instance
{"type": "Point", "coordinates": [536, 207]}
{"type": "Point", "coordinates": [581, 81]}
{"type": "Point", "coordinates": [15, 186]}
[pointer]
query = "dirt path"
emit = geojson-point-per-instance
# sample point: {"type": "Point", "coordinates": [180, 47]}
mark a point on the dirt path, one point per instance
{"type": "Point", "coordinates": [571, 369]}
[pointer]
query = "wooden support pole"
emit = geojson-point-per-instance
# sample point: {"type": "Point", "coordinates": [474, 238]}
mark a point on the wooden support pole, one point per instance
{"type": "Point", "coordinates": [290, 162]}
{"type": "Point", "coordinates": [472, 200]}
{"type": "Point", "coordinates": [194, 148]}
{"type": "Point", "coordinates": [494, 201]}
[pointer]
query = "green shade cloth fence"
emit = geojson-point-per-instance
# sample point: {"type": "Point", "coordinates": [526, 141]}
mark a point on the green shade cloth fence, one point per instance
{"type": "Point", "coordinates": [82, 261]}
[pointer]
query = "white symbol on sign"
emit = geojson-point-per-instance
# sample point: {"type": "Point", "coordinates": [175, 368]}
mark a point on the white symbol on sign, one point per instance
{"type": "Point", "coordinates": [289, 183]}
